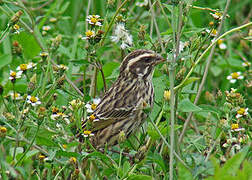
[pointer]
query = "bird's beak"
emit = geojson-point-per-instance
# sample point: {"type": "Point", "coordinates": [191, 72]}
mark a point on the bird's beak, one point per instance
{"type": "Point", "coordinates": [159, 59]}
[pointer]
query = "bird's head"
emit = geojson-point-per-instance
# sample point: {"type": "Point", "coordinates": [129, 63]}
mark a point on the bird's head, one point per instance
{"type": "Point", "coordinates": [140, 63]}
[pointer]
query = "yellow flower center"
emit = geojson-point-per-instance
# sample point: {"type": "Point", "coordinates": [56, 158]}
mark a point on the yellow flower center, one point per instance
{"type": "Point", "coordinates": [3, 129]}
{"type": "Point", "coordinates": [89, 33]}
{"type": "Point", "coordinates": [73, 160]}
{"type": "Point", "coordinates": [55, 110]}
{"type": "Point", "coordinates": [219, 41]}
{"type": "Point", "coordinates": [87, 132]}
{"type": "Point", "coordinates": [41, 157]}
{"type": "Point", "coordinates": [234, 126]}
{"type": "Point", "coordinates": [44, 54]}
{"type": "Point", "coordinates": [64, 146]}
{"type": "Point", "coordinates": [214, 31]}
{"type": "Point", "coordinates": [241, 111]}
{"type": "Point", "coordinates": [13, 74]}
{"type": "Point", "coordinates": [218, 14]}
{"type": "Point", "coordinates": [211, 23]}
{"type": "Point", "coordinates": [93, 106]}
{"type": "Point", "coordinates": [16, 27]}
{"type": "Point", "coordinates": [94, 20]}
{"type": "Point", "coordinates": [23, 67]}
{"type": "Point", "coordinates": [235, 75]}
{"type": "Point", "coordinates": [60, 113]}
{"type": "Point", "coordinates": [92, 117]}
{"type": "Point", "coordinates": [33, 99]}
{"type": "Point", "coordinates": [167, 95]}
{"type": "Point", "coordinates": [16, 95]}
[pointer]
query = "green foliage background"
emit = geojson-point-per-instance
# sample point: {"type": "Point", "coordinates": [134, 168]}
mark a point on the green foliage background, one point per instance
{"type": "Point", "coordinates": [36, 146]}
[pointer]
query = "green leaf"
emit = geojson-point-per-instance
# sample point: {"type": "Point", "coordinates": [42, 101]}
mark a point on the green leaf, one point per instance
{"type": "Point", "coordinates": [28, 43]}
{"type": "Point", "coordinates": [233, 164]}
{"type": "Point", "coordinates": [184, 173]}
{"type": "Point", "coordinates": [187, 106]}
{"type": "Point", "coordinates": [107, 70]}
{"type": "Point", "coordinates": [139, 177]}
{"type": "Point", "coordinates": [159, 86]}
{"type": "Point", "coordinates": [40, 140]}
{"type": "Point", "coordinates": [210, 108]}
{"type": "Point", "coordinates": [98, 155]}
{"type": "Point", "coordinates": [162, 128]}
{"type": "Point", "coordinates": [245, 173]}
{"type": "Point", "coordinates": [31, 153]}
{"type": "Point", "coordinates": [157, 158]}
{"type": "Point", "coordinates": [5, 60]}
{"type": "Point", "coordinates": [67, 154]}
{"type": "Point", "coordinates": [190, 80]}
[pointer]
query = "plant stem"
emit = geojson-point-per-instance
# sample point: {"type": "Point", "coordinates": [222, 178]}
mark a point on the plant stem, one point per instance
{"type": "Point", "coordinates": [205, 72]}
{"type": "Point", "coordinates": [30, 145]}
{"type": "Point", "coordinates": [167, 144]}
{"type": "Point", "coordinates": [156, 26]}
{"type": "Point", "coordinates": [112, 21]}
{"type": "Point", "coordinates": [205, 52]}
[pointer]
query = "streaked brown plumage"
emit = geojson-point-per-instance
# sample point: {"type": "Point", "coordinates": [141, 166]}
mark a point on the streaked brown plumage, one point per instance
{"type": "Point", "coordinates": [121, 108]}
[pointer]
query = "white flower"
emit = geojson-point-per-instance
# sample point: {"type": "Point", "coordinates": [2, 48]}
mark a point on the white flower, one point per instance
{"type": "Point", "coordinates": [15, 75]}
{"type": "Point", "coordinates": [221, 44]}
{"type": "Point", "coordinates": [94, 20]}
{"type": "Point", "coordinates": [60, 115]}
{"type": "Point", "coordinates": [237, 130]}
{"type": "Point", "coordinates": [213, 32]}
{"type": "Point", "coordinates": [121, 34]}
{"type": "Point", "coordinates": [246, 64]}
{"type": "Point", "coordinates": [63, 67]}
{"type": "Point", "coordinates": [15, 96]}
{"type": "Point", "coordinates": [217, 15]}
{"type": "Point", "coordinates": [88, 133]}
{"type": "Point", "coordinates": [181, 46]}
{"type": "Point", "coordinates": [92, 118]}
{"type": "Point", "coordinates": [237, 146]}
{"type": "Point", "coordinates": [92, 107]}
{"type": "Point", "coordinates": [46, 28]}
{"type": "Point", "coordinates": [241, 112]}
{"type": "Point", "coordinates": [34, 101]}
{"type": "Point", "coordinates": [143, 3]}
{"type": "Point", "coordinates": [89, 34]}
{"type": "Point", "coordinates": [24, 67]}
{"type": "Point", "coordinates": [234, 76]}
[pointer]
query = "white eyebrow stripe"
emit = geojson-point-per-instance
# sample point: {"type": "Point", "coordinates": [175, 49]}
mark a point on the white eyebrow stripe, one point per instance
{"type": "Point", "coordinates": [132, 61]}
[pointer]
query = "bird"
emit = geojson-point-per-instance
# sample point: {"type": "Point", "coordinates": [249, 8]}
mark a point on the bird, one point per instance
{"type": "Point", "coordinates": [121, 109]}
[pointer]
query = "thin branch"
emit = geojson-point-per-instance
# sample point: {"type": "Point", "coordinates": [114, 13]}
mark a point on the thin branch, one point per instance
{"type": "Point", "coordinates": [156, 26]}
{"type": "Point", "coordinates": [205, 73]}
{"type": "Point", "coordinates": [167, 144]}
{"type": "Point", "coordinates": [112, 21]}
{"type": "Point", "coordinates": [103, 76]}
{"type": "Point", "coordinates": [73, 85]}
{"type": "Point", "coordinates": [205, 52]}
{"type": "Point", "coordinates": [87, 13]}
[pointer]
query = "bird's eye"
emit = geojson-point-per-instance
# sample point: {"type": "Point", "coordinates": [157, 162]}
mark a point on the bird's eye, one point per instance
{"type": "Point", "coordinates": [146, 59]}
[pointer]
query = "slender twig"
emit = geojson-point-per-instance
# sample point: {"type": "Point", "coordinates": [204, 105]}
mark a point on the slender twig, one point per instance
{"type": "Point", "coordinates": [162, 9]}
{"type": "Point", "coordinates": [73, 85]}
{"type": "Point", "coordinates": [87, 13]}
{"type": "Point", "coordinates": [172, 68]}
{"type": "Point", "coordinates": [156, 26]}
{"type": "Point", "coordinates": [30, 145]}
{"type": "Point", "coordinates": [167, 144]}
{"type": "Point", "coordinates": [103, 76]}
{"type": "Point", "coordinates": [206, 51]}
{"type": "Point", "coordinates": [112, 21]}
{"type": "Point", "coordinates": [92, 91]}
{"type": "Point", "coordinates": [205, 73]}
{"type": "Point", "coordinates": [213, 146]}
